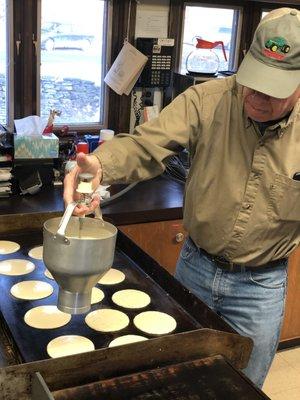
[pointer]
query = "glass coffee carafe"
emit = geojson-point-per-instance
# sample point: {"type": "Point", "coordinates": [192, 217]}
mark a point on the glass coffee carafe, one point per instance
{"type": "Point", "coordinates": [203, 60]}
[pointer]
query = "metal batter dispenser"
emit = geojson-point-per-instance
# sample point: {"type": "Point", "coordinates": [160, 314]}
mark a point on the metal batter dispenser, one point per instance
{"type": "Point", "coordinates": [78, 251]}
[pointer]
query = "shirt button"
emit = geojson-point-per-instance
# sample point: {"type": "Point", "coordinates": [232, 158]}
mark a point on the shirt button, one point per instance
{"type": "Point", "coordinates": [261, 143]}
{"type": "Point", "coordinates": [246, 206]}
{"type": "Point", "coordinates": [256, 175]}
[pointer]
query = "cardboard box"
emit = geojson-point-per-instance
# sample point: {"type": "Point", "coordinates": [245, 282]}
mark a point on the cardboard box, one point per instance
{"type": "Point", "coordinates": [30, 147]}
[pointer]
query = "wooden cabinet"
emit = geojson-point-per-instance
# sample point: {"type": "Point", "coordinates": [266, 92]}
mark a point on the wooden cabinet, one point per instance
{"type": "Point", "coordinates": [161, 240]}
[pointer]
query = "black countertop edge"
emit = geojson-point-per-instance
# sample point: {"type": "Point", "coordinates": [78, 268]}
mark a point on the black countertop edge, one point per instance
{"type": "Point", "coordinates": [158, 199]}
{"type": "Point", "coordinates": [165, 214]}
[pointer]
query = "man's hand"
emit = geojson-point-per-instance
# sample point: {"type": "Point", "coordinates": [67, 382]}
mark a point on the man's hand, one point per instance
{"type": "Point", "coordinates": [85, 163]}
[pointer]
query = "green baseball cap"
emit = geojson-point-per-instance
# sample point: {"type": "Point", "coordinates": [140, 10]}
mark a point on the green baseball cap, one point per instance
{"type": "Point", "coordinates": [272, 64]}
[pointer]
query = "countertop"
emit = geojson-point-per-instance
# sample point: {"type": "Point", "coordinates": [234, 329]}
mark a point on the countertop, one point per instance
{"type": "Point", "coordinates": [158, 199]}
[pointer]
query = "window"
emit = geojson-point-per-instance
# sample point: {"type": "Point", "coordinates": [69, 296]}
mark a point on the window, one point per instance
{"type": "Point", "coordinates": [72, 60]}
{"type": "Point", "coordinates": [54, 55]}
{"type": "Point", "coordinates": [211, 24]}
{"type": "Point", "coordinates": [5, 64]}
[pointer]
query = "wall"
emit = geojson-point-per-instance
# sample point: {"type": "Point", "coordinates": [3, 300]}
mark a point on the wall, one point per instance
{"type": "Point", "coordinates": [153, 24]}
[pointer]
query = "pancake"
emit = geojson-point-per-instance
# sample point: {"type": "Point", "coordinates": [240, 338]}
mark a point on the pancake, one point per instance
{"type": "Point", "coordinates": [14, 267]}
{"type": "Point", "coordinates": [97, 295]}
{"type": "Point", "coordinates": [112, 277]}
{"type": "Point", "coordinates": [155, 322]}
{"type": "Point", "coordinates": [68, 345]}
{"type": "Point", "coordinates": [36, 252]}
{"type": "Point", "coordinates": [131, 298]}
{"type": "Point", "coordinates": [46, 317]}
{"type": "Point", "coordinates": [8, 247]}
{"type": "Point", "coordinates": [48, 274]}
{"type": "Point", "coordinates": [31, 290]}
{"type": "Point", "coordinates": [119, 341]}
{"type": "Point", "coordinates": [107, 320]}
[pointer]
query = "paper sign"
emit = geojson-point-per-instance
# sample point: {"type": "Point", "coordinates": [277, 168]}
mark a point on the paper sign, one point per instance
{"type": "Point", "coordinates": [166, 42]}
{"type": "Point", "coordinates": [126, 69]}
{"type": "Point", "coordinates": [150, 113]}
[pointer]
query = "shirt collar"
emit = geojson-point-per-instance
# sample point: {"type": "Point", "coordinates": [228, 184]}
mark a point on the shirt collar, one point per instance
{"type": "Point", "coordinates": [280, 126]}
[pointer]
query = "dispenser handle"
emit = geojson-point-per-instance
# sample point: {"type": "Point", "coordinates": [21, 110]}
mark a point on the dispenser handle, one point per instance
{"type": "Point", "coordinates": [60, 234]}
{"type": "Point", "coordinates": [98, 213]}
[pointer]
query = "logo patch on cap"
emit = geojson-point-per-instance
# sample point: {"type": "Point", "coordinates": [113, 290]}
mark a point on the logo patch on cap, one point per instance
{"type": "Point", "coordinates": [276, 47]}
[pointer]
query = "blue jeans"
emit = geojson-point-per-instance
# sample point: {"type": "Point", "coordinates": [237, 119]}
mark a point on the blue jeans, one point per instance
{"type": "Point", "coordinates": [251, 302]}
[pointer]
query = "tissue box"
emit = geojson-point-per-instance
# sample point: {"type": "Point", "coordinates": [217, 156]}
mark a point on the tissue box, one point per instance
{"type": "Point", "coordinates": [36, 146]}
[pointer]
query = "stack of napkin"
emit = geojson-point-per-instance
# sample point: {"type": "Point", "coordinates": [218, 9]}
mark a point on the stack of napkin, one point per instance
{"type": "Point", "coordinates": [5, 181]}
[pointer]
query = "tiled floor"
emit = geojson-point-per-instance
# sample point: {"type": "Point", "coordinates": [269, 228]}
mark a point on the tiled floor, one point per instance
{"type": "Point", "coordinates": [283, 380]}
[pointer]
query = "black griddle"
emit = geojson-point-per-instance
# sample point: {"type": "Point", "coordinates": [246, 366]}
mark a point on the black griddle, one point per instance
{"type": "Point", "coordinates": [31, 343]}
{"type": "Point", "coordinates": [200, 332]}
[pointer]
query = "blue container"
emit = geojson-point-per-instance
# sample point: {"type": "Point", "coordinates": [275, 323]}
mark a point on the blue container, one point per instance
{"type": "Point", "coordinates": [93, 141]}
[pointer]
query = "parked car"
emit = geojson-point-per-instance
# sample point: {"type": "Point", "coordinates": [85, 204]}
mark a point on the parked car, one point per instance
{"type": "Point", "coordinates": [66, 41]}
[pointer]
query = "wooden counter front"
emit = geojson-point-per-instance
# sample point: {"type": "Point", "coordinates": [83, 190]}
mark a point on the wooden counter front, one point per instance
{"type": "Point", "coordinates": [163, 241]}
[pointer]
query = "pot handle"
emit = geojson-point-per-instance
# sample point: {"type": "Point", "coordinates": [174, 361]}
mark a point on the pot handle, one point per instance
{"type": "Point", "coordinates": [60, 234]}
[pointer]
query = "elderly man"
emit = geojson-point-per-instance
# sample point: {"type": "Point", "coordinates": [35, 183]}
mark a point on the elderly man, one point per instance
{"type": "Point", "coordinates": [242, 196]}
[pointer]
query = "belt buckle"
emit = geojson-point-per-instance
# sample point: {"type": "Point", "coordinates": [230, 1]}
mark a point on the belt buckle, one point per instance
{"type": "Point", "coordinates": [231, 266]}
{"type": "Point", "coordinates": [224, 264]}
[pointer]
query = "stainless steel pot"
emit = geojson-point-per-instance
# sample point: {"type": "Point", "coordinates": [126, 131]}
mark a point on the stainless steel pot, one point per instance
{"type": "Point", "coordinates": [78, 258]}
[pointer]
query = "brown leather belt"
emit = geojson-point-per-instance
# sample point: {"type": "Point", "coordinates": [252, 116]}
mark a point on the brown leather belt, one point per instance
{"type": "Point", "coordinates": [226, 265]}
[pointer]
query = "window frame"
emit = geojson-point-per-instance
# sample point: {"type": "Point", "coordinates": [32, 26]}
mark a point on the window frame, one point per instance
{"type": "Point", "coordinates": [233, 59]}
{"type": "Point", "coordinates": [124, 15]}
{"type": "Point", "coordinates": [9, 66]}
{"type": "Point", "coordinates": [25, 98]}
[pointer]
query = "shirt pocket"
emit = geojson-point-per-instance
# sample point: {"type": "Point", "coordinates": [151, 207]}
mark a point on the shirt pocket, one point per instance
{"type": "Point", "coordinates": [285, 198]}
